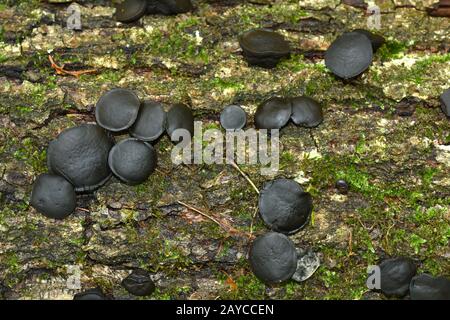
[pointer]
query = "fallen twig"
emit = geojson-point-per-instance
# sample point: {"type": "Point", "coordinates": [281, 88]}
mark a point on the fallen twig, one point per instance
{"type": "Point", "coordinates": [245, 176]}
{"type": "Point", "coordinates": [60, 69]}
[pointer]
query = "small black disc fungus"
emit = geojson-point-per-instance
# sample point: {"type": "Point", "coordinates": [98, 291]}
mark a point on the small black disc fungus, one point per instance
{"type": "Point", "coordinates": [80, 154]}
{"type": "Point", "coordinates": [150, 123]}
{"type": "Point", "coordinates": [395, 276]}
{"type": "Point", "coordinates": [376, 40]}
{"type": "Point", "coordinates": [284, 206]}
{"type": "Point", "coordinates": [233, 117]}
{"type": "Point", "coordinates": [180, 117]}
{"type": "Point", "coordinates": [445, 102]}
{"type": "Point", "coordinates": [264, 47]}
{"type": "Point", "coordinates": [139, 283]}
{"type": "Point", "coordinates": [53, 196]}
{"type": "Point", "coordinates": [169, 7]}
{"type": "Point", "coordinates": [273, 258]}
{"type": "Point", "coordinates": [349, 55]}
{"type": "Point", "coordinates": [306, 112]}
{"type": "Point", "coordinates": [90, 294]}
{"type": "Point", "coordinates": [273, 113]}
{"type": "Point", "coordinates": [117, 109]}
{"type": "Point", "coordinates": [427, 287]}
{"type": "Point", "coordinates": [132, 160]}
{"type": "Point", "coordinates": [130, 10]}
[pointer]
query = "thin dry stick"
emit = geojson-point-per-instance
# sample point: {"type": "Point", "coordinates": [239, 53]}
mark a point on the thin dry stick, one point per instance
{"type": "Point", "coordinates": [200, 212]}
{"type": "Point", "coordinates": [245, 176]}
{"type": "Point", "coordinates": [60, 69]}
{"type": "Point", "coordinates": [253, 221]}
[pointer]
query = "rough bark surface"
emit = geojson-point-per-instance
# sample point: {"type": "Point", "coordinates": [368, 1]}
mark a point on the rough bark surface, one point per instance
{"type": "Point", "coordinates": [383, 133]}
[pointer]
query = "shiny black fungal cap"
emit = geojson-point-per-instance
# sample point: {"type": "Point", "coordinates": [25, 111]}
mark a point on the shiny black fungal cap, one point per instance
{"type": "Point", "coordinates": [80, 154]}
{"type": "Point", "coordinates": [427, 287]}
{"type": "Point", "coordinates": [233, 117]}
{"type": "Point", "coordinates": [284, 206]}
{"type": "Point", "coordinates": [306, 112]}
{"type": "Point", "coordinates": [342, 186]}
{"type": "Point", "coordinates": [169, 7]}
{"type": "Point", "coordinates": [139, 283]}
{"type": "Point", "coordinates": [376, 40]}
{"type": "Point", "coordinates": [445, 102]}
{"type": "Point", "coordinates": [180, 117]}
{"type": "Point", "coordinates": [395, 276]}
{"type": "Point", "coordinates": [273, 113]}
{"type": "Point", "coordinates": [132, 160]}
{"type": "Point", "coordinates": [150, 123]}
{"type": "Point", "coordinates": [53, 196]}
{"type": "Point", "coordinates": [117, 109]}
{"type": "Point", "coordinates": [264, 47]}
{"type": "Point", "coordinates": [90, 294]}
{"type": "Point", "coordinates": [273, 258]}
{"type": "Point", "coordinates": [130, 10]}
{"type": "Point", "coordinates": [349, 55]}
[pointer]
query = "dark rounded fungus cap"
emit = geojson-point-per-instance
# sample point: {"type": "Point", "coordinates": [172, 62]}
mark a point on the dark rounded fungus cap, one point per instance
{"type": "Point", "coordinates": [169, 7]}
{"type": "Point", "coordinates": [117, 109]}
{"type": "Point", "coordinates": [132, 160]}
{"type": "Point", "coordinates": [273, 113]}
{"type": "Point", "coordinates": [139, 283]}
{"type": "Point", "coordinates": [233, 117]}
{"type": "Point", "coordinates": [306, 112]}
{"type": "Point", "coordinates": [395, 276]}
{"type": "Point", "coordinates": [376, 40]}
{"type": "Point", "coordinates": [427, 287]}
{"type": "Point", "coordinates": [150, 123]}
{"type": "Point", "coordinates": [180, 117]}
{"type": "Point", "coordinates": [445, 102]}
{"type": "Point", "coordinates": [273, 258]}
{"type": "Point", "coordinates": [349, 55]}
{"type": "Point", "coordinates": [264, 47]}
{"type": "Point", "coordinates": [53, 196]}
{"type": "Point", "coordinates": [90, 294]}
{"type": "Point", "coordinates": [284, 206]}
{"type": "Point", "coordinates": [80, 154]}
{"type": "Point", "coordinates": [130, 10]}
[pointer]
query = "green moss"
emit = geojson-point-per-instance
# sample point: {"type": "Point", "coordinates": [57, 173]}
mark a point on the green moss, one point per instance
{"type": "Point", "coordinates": [32, 156]}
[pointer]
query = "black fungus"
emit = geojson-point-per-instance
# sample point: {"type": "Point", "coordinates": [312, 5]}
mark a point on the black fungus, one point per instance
{"type": "Point", "coordinates": [395, 276]}
{"type": "Point", "coordinates": [150, 123]}
{"type": "Point", "coordinates": [139, 283]}
{"type": "Point", "coordinates": [132, 160]}
{"type": "Point", "coordinates": [273, 113]}
{"type": "Point", "coordinates": [284, 206]}
{"type": "Point", "coordinates": [117, 109]}
{"type": "Point", "coordinates": [349, 55]}
{"type": "Point", "coordinates": [233, 117]}
{"type": "Point", "coordinates": [80, 154]}
{"type": "Point", "coordinates": [306, 112]}
{"type": "Point", "coordinates": [53, 196]}
{"type": "Point", "coordinates": [130, 10]}
{"type": "Point", "coordinates": [273, 258]}
{"type": "Point", "coordinates": [179, 117]}
{"type": "Point", "coordinates": [427, 287]}
{"type": "Point", "coordinates": [90, 294]}
{"type": "Point", "coordinates": [342, 186]}
{"type": "Point", "coordinates": [264, 47]}
{"type": "Point", "coordinates": [445, 102]}
{"type": "Point", "coordinates": [169, 7]}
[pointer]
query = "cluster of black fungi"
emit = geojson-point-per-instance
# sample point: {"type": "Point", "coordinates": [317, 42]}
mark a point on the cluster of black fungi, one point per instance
{"type": "Point", "coordinates": [83, 158]}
